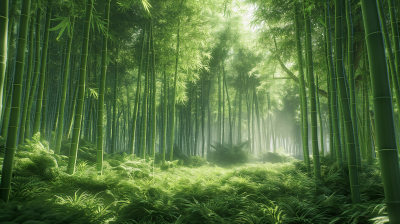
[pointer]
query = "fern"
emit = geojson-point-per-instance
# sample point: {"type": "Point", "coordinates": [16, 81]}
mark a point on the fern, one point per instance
{"type": "Point", "coordinates": [27, 187]}
{"type": "Point", "coordinates": [381, 210]}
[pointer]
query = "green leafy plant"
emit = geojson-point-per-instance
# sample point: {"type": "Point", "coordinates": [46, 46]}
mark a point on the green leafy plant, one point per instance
{"type": "Point", "coordinates": [381, 211]}
{"type": "Point", "coordinates": [27, 187]}
{"type": "Point", "coordinates": [94, 205]}
{"type": "Point", "coordinates": [225, 154]}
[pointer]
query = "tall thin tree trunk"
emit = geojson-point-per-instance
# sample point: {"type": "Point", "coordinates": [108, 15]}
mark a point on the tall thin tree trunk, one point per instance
{"type": "Point", "coordinates": [44, 109]}
{"type": "Point", "coordinates": [219, 108]}
{"type": "Point", "coordinates": [223, 110]}
{"type": "Point", "coordinates": [258, 122]}
{"type": "Point", "coordinates": [100, 106]}
{"type": "Point", "coordinates": [368, 148]}
{"type": "Point", "coordinates": [196, 117]}
{"type": "Point", "coordinates": [239, 137]}
{"type": "Point", "coordinates": [8, 29]}
{"type": "Point", "coordinates": [384, 118]}
{"type": "Point", "coordinates": [11, 144]}
{"type": "Point", "coordinates": [36, 73]}
{"type": "Point", "coordinates": [345, 105]}
{"type": "Point", "coordinates": [395, 35]}
{"type": "Point", "coordinates": [229, 107]}
{"type": "Point", "coordinates": [203, 112]}
{"type": "Point", "coordinates": [302, 91]}
{"type": "Point", "coordinates": [73, 152]}
{"type": "Point", "coordinates": [43, 60]}
{"type": "Point", "coordinates": [332, 86]}
{"type": "Point", "coordinates": [209, 119]}
{"type": "Point", "coordinates": [164, 138]}
{"type": "Point", "coordinates": [114, 130]}
{"type": "Point", "coordinates": [154, 87]}
{"type": "Point", "coordinates": [3, 47]}
{"type": "Point", "coordinates": [388, 45]}
{"type": "Point", "coordinates": [350, 60]}
{"type": "Point", "coordinates": [61, 119]}
{"type": "Point", "coordinates": [145, 96]}
{"type": "Point", "coordinates": [137, 98]}
{"type": "Point", "coordinates": [321, 127]}
{"type": "Point", "coordinates": [313, 103]}
{"type": "Point", "coordinates": [174, 96]}
{"type": "Point", "coordinates": [27, 85]}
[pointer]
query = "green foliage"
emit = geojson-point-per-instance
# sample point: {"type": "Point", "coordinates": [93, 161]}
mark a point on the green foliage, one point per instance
{"type": "Point", "coordinates": [150, 206]}
{"type": "Point", "coordinates": [380, 210]}
{"type": "Point", "coordinates": [61, 159]}
{"type": "Point", "coordinates": [197, 161]}
{"type": "Point", "coordinates": [27, 187]}
{"type": "Point", "coordinates": [141, 191]}
{"type": "Point", "coordinates": [169, 164]}
{"type": "Point", "coordinates": [39, 212]}
{"type": "Point", "coordinates": [35, 145]}
{"type": "Point", "coordinates": [134, 169]}
{"type": "Point", "coordinates": [96, 208]}
{"type": "Point", "coordinates": [33, 158]}
{"type": "Point", "coordinates": [118, 157]}
{"type": "Point", "coordinates": [65, 23]}
{"type": "Point", "coordinates": [2, 146]}
{"type": "Point", "coordinates": [42, 164]}
{"type": "Point", "coordinates": [298, 211]}
{"type": "Point", "coordinates": [224, 154]}
{"type": "Point", "coordinates": [86, 150]}
{"type": "Point", "coordinates": [88, 179]}
{"type": "Point", "coordinates": [180, 159]}
{"type": "Point", "coordinates": [276, 157]}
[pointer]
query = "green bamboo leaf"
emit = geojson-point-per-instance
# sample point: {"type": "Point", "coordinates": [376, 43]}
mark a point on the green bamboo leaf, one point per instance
{"type": "Point", "coordinates": [58, 26]}
{"type": "Point", "coordinates": [65, 23]}
{"type": "Point", "coordinates": [93, 92]}
{"type": "Point", "coordinates": [96, 20]}
{"type": "Point", "coordinates": [60, 33]}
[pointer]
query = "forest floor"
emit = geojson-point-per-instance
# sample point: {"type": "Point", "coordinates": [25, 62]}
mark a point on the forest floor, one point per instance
{"type": "Point", "coordinates": [137, 191]}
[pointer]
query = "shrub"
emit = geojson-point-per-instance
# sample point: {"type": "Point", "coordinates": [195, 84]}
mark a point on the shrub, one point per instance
{"type": "Point", "coordinates": [133, 170]}
{"type": "Point", "coordinates": [35, 145]}
{"type": "Point", "coordinates": [43, 165]}
{"type": "Point", "coordinates": [151, 206]}
{"type": "Point", "coordinates": [23, 164]}
{"type": "Point", "coordinates": [224, 154]}
{"type": "Point", "coordinates": [183, 159]}
{"type": "Point", "coordinates": [169, 164]}
{"type": "Point", "coordinates": [61, 159]}
{"type": "Point", "coordinates": [86, 154]}
{"type": "Point", "coordinates": [276, 157]}
{"type": "Point", "coordinates": [26, 187]}
{"type": "Point", "coordinates": [198, 161]}
{"type": "Point", "coordinates": [118, 156]}
{"type": "Point", "coordinates": [96, 208]}
{"type": "Point", "coordinates": [178, 155]}
{"type": "Point", "coordinates": [114, 162]}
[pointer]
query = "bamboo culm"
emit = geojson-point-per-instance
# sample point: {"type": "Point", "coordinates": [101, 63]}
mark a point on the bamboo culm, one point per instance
{"type": "Point", "coordinates": [11, 144]}
{"type": "Point", "coordinates": [79, 109]}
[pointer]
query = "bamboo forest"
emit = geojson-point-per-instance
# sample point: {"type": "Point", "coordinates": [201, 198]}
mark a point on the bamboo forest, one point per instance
{"type": "Point", "coordinates": [199, 111]}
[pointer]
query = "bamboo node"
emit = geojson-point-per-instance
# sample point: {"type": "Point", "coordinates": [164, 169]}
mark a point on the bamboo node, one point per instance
{"type": "Point", "coordinates": [377, 32]}
{"type": "Point", "coordinates": [387, 149]}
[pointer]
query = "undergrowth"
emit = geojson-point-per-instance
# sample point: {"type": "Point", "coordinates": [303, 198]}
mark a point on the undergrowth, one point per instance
{"type": "Point", "coordinates": [186, 190]}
